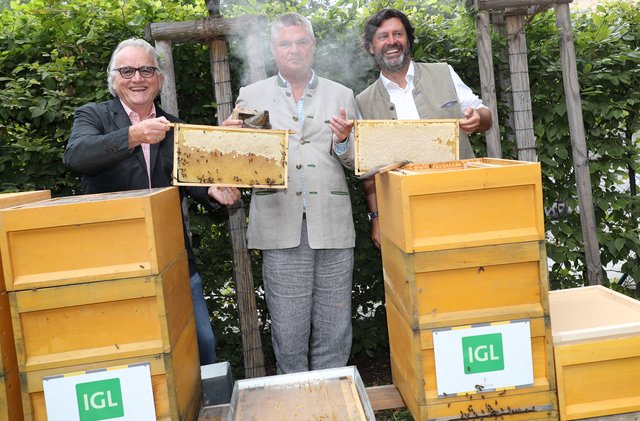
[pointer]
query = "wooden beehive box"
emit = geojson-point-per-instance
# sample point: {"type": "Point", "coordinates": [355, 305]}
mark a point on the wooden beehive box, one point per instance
{"type": "Point", "coordinates": [459, 204]}
{"type": "Point", "coordinates": [596, 338]}
{"type": "Point", "coordinates": [383, 142]}
{"type": "Point", "coordinates": [90, 238]}
{"type": "Point", "coordinates": [464, 260]}
{"type": "Point", "coordinates": [116, 322]}
{"type": "Point", "coordinates": [432, 291]}
{"type": "Point", "coordinates": [10, 404]}
{"type": "Point", "coordinates": [331, 394]}
{"type": "Point", "coordinates": [175, 378]}
{"type": "Point", "coordinates": [226, 156]}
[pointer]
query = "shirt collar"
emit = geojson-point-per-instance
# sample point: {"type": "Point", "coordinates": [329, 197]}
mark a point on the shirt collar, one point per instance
{"type": "Point", "coordinates": [283, 83]}
{"type": "Point", "coordinates": [389, 84]}
{"type": "Point", "coordinates": [128, 110]}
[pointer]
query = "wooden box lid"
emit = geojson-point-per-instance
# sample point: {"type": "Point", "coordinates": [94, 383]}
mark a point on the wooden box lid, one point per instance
{"type": "Point", "coordinates": [8, 200]}
{"type": "Point", "coordinates": [594, 312]}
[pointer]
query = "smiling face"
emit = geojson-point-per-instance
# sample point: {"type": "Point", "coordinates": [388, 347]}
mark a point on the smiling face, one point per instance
{"type": "Point", "coordinates": [138, 92]}
{"type": "Point", "coordinates": [293, 50]}
{"type": "Point", "coordinates": [390, 46]}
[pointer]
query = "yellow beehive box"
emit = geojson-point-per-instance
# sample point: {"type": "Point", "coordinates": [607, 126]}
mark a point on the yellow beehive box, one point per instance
{"type": "Point", "coordinates": [467, 285]}
{"type": "Point", "coordinates": [90, 238]}
{"type": "Point", "coordinates": [70, 328]}
{"type": "Point", "coordinates": [226, 156]}
{"type": "Point", "coordinates": [10, 404]}
{"type": "Point", "coordinates": [430, 291]}
{"type": "Point", "coordinates": [414, 373]}
{"type": "Point", "coordinates": [418, 141]}
{"type": "Point", "coordinates": [596, 338]}
{"type": "Point", "coordinates": [175, 379]}
{"type": "Point", "coordinates": [460, 204]}
{"type": "Point", "coordinates": [8, 200]}
{"type": "Point", "coordinates": [96, 321]}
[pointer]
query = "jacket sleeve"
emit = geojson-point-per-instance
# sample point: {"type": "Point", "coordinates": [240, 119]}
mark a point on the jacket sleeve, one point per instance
{"type": "Point", "coordinates": [92, 148]}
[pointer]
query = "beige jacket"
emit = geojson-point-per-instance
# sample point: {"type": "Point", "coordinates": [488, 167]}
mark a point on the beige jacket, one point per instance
{"type": "Point", "coordinates": [316, 176]}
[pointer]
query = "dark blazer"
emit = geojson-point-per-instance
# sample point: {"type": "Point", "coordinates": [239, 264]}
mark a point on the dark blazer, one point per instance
{"type": "Point", "coordinates": [99, 150]}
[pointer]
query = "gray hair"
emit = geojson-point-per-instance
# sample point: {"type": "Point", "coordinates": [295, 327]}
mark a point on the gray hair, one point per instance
{"type": "Point", "coordinates": [132, 42]}
{"type": "Point", "coordinates": [291, 19]}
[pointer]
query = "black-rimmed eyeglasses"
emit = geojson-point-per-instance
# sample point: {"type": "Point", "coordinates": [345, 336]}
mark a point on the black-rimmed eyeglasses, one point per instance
{"type": "Point", "coordinates": [128, 72]}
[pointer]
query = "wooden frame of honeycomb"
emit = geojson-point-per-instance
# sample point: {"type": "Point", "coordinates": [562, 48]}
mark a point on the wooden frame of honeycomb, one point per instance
{"type": "Point", "coordinates": [383, 142]}
{"type": "Point", "coordinates": [224, 156]}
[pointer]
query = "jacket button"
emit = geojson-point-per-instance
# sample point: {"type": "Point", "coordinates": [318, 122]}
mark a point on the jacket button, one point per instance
{"type": "Point", "coordinates": [298, 193]}
{"type": "Point", "coordinates": [299, 166]}
{"type": "Point", "coordinates": [392, 107]}
{"type": "Point", "coordinates": [295, 118]}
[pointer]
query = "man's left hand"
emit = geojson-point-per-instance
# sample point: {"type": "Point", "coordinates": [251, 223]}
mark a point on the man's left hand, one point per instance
{"type": "Point", "coordinates": [471, 121]}
{"type": "Point", "coordinates": [340, 126]}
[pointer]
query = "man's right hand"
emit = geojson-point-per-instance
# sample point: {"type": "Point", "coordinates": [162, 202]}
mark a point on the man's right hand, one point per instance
{"type": "Point", "coordinates": [152, 130]}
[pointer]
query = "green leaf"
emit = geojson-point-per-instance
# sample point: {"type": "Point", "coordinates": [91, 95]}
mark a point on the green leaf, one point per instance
{"type": "Point", "coordinates": [36, 111]}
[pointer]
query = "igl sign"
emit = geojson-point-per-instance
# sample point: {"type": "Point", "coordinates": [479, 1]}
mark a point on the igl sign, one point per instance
{"type": "Point", "coordinates": [483, 353]}
{"type": "Point", "coordinates": [117, 393]}
{"type": "Point", "coordinates": [100, 400]}
{"type": "Point", "coordinates": [484, 357]}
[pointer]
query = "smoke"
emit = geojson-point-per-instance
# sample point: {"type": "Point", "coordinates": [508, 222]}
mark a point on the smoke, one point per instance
{"type": "Point", "coordinates": [338, 57]}
{"type": "Point", "coordinates": [342, 59]}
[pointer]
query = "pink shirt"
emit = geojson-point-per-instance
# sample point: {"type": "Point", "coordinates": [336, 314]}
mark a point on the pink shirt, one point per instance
{"type": "Point", "coordinates": [134, 117]}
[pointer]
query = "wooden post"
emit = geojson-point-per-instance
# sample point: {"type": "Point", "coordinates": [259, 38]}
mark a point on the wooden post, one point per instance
{"type": "Point", "coordinates": [578, 145]}
{"type": "Point", "coordinates": [168, 95]}
{"type": "Point", "coordinates": [253, 356]}
{"type": "Point", "coordinates": [487, 81]}
{"type": "Point", "coordinates": [504, 80]}
{"type": "Point", "coordinates": [523, 116]}
{"type": "Point", "coordinates": [221, 78]}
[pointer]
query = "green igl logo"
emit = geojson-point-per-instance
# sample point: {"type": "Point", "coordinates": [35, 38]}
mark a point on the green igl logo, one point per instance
{"type": "Point", "coordinates": [483, 353]}
{"type": "Point", "coordinates": [100, 400]}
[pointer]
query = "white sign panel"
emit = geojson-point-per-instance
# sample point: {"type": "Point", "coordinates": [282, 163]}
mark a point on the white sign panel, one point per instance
{"type": "Point", "coordinates": [118, 393]}
{"type": "Point", "coordinates": [485, 357]}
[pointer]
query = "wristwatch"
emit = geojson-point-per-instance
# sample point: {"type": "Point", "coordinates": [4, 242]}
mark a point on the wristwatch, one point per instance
{"type": "Point", "coordinates": [372, 215]}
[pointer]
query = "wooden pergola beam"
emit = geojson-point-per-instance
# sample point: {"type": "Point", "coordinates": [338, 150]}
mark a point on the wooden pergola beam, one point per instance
{"type": "Point", "coordinates": [504, 4]}
{"type": "Point", "coordinates": [203, 30]}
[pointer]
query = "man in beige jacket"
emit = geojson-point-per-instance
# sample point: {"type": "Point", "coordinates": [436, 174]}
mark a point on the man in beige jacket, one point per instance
{"type": "Point", "coordinates": [306, 231]}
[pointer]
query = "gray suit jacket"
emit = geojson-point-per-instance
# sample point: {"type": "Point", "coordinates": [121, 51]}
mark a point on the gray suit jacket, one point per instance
{"type": "Point", "coordinates": [316, 178]}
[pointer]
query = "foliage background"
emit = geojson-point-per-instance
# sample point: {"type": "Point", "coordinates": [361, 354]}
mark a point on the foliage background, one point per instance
{"type": "Point", "coordinates": [53, 56]}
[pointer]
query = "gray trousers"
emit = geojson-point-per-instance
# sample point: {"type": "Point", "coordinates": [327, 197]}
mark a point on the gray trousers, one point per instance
{"type": "Point", "coordinates": [308, 293]}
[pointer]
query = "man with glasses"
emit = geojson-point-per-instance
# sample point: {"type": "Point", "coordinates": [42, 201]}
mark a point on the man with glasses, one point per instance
{"type": "Point", "coordinates": [126, 144]}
